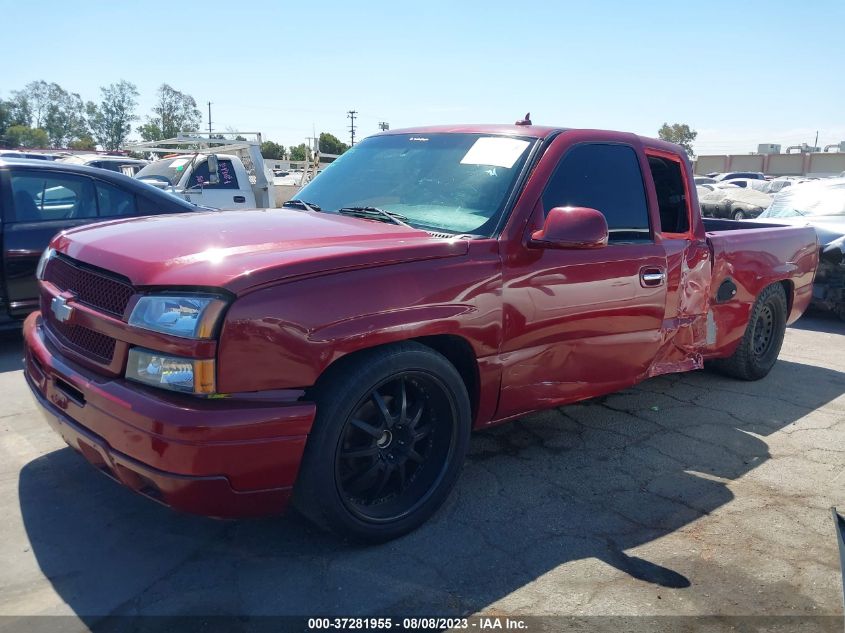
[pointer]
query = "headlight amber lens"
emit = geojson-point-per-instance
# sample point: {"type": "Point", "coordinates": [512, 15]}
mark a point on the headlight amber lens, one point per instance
{"type": "Point", "coordinates": [188, 375]}
{"type": "Point", "coordinates": [189, 316]}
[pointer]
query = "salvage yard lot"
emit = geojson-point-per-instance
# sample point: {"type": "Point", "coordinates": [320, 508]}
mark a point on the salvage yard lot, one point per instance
{"type": "Point", "coordinates": [689, 494]}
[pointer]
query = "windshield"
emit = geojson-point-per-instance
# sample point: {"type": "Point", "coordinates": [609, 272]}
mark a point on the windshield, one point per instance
{"type": "Point", "coordinates": [808, 199]}
{"type": "Point", "coordinates": [169, 169]}
{"type": "Point", "coordinates": [457, 183]}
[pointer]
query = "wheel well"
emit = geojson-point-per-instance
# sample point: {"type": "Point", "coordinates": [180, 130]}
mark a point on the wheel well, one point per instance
{"type": "Point", "coordinates": [789, 289]}
{"type": "Point", "coordinates": [456, 349]}
{"type": "Point", "coordinates": [459, 352]}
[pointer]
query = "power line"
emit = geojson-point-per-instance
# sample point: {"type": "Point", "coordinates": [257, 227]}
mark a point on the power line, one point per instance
{"type": "Point", "coordinates": [350, 114]}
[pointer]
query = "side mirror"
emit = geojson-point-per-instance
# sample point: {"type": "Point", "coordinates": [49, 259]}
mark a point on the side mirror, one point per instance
{"type": "Point", "coordinates": [571, 227]}
{"type": "Point", "coordinates": [213, 170]}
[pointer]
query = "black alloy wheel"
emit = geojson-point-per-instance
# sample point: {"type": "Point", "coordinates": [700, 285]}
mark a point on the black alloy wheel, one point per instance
{"type": "Point", "coordinates": [388, 442]}
{"type": "Point", "coordinates": [395, 447]}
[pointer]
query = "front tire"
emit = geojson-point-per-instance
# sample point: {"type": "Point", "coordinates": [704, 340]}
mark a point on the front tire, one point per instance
{"type": "Point", "coordinates": [387, 445]}
{"type": "Point", "coordinates": [739, 214]}
{"type": "Point", "coordinates": [760, 345]}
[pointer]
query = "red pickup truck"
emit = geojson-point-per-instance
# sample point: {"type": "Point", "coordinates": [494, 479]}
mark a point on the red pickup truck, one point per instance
{"type": "Point", "coordinates": [338, 352]}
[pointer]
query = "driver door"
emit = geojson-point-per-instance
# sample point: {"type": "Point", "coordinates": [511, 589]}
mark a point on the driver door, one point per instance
{"type": "Point", "coordinates": [584, 322]}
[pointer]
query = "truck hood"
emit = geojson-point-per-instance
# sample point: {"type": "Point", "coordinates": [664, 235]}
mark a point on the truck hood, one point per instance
{"type": "Point", "coordinates": [238, 250]}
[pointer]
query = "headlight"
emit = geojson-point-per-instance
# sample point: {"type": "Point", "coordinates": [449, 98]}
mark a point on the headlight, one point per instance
{"type": "Point", "coordinates": [188, 375]}
{"type": "Point", "coordinates": [189, 316]}
{"type": "Point", "coordinates": [46, 256]}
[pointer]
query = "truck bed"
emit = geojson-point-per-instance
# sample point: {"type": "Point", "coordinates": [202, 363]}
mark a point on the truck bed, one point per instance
{"type": "Point", "coordinates": [751, 256]}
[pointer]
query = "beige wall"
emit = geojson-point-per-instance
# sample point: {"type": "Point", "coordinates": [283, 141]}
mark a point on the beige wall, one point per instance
{"type": "Point", "coordinates": [826, 164]}
{"type": "Point", "coordinates": [746, 162]}
{"type": "Point", "coordinates": [786, 165]}
{"type": "Point", "coordinates": [707, 164]}
{"type": "Point", "coordinates": [816, 164]}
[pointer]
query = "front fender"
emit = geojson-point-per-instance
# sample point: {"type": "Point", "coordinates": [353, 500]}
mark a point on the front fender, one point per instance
{"type": "Point", "coordinates": [285, 336]}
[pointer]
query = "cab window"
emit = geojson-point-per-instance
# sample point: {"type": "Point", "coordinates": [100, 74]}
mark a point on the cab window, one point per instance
{"type": "Point", "coordinates": [605, 177]}
{"type": "Point", "coordinates": [226, 171]}
{"type": "Point", "coordinates": [671, 194]}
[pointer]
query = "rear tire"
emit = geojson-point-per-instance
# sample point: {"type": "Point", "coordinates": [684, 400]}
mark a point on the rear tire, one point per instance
{"type": "Point", "coordinates": [739, 215]}
{"type": "Point", "coordinates": [387, 445]}
{"type": "Point", "coordinates": [760, 345]}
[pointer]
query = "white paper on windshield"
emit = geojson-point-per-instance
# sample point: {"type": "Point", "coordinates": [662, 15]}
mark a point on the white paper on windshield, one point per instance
{"type": "Point", "coordinates": [497, 151]}
{"type": "Point", "coordinates": [180, 162]}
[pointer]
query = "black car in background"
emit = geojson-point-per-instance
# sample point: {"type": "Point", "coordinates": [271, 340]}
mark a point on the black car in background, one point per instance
{"type": "Point", "coordinates": [40, 198]}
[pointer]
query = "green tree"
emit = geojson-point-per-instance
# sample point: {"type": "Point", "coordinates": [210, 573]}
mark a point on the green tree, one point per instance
{"type": "Point", "coordinates": [111, 120]}
{"type": "Point", "coordinates": [679, 133]}
{"type": "Point", "coordinates": [12, 112]}
{"type": "Point", "coordinates": [299, 152]}
{"type": "Point", "coordinates": [5, 120]}
{"type": "Point", "coordinates": [173, 113]}
{"type": "Point", "coordinates": [272, 150]}
{"type": "Point", "coordinates": [64, 119]}
{"type": "Point", "coordinates": [26, 137]}
{"type": "Point", "coordinates": [85, 142]}
{"type": "Point", "coordinates": [50, 107]}
{"type": "Point", "coordinates": [32, 103]}
{"type": "Point", "coordinates": [330, 144]}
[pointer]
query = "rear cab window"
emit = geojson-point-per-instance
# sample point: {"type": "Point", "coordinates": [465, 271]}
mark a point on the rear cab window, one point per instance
{"type": "Point", "coordinates": [672, 189]}
{"type": "Point", "coordinates": [605, 177]}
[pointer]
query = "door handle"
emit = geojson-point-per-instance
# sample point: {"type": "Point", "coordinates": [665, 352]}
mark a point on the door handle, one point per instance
{"type": "Point", "coordinates": [652, 277]}
{"type": "Point", "coordinates": [239, 198]}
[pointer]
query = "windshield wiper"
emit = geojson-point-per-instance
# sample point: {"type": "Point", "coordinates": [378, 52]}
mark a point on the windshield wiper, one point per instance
{"type": "Point", "coordinates": [301, 204]}
{"type": "Point", "coordinates": [374, 213]}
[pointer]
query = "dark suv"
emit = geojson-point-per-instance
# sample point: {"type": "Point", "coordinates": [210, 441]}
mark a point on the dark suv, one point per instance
{"type": "Point", "coordinates": [40, 198]}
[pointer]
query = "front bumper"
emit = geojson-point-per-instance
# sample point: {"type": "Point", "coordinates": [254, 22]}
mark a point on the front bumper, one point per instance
{"type": "Point", "coordinates": [223, 458]}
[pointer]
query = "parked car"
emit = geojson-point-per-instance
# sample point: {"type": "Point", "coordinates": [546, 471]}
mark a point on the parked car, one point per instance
{"type": "Point", "coordinates": [13, 153]}
{"type": "Point", "coordinates": [744, 183]}
{"type": "Point", "coordinates": [729, 200]}
{"type": "Point", "coordinates": [39, 199]}
{"type": "Point", "coordinates": [776, 185]}
{"type": "Point", "coordinates": [733, 175]}
{"type": "Point", "coordinates": [122, 164]}
{"type": "Point", "coordinates": [337, 352]}
{"type": "Point", "coordinates": [821, 205]}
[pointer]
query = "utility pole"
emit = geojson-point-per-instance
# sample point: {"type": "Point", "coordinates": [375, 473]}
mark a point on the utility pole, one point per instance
{"type": "Point", "coordinates": [311, 144]}
{"type": "Point", "coordinates": [816, 143]}
{"type": "Point", "coordinates": [351, 115]}
{"type": "Point", "coordinates": [209, 119]}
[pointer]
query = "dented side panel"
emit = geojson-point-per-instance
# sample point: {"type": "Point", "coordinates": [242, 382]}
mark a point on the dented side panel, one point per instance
{"type": "Point", "coordinates": [685, 327]}
{"type": "Point", "coordinates": [753, 259]}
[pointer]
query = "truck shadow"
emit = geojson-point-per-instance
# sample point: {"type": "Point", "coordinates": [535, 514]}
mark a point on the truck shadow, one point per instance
{"type": "Point", "coordinates": [820, 321]}
{"type": "Point", "coordinates": [586, 481]}
{"type": "Point", "coordinates": [11, 351]}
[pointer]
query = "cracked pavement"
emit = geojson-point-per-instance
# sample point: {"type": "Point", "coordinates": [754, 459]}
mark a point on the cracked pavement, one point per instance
{"type": "Point", "coordinates": [689, 494]}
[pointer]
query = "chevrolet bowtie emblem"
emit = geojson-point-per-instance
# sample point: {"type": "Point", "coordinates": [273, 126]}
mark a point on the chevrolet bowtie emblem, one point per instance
{"type": "Point", "coordinates": [61, 310]}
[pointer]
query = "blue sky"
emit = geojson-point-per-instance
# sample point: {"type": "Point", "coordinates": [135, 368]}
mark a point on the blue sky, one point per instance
{"type": "Point", "coordinates": [741, 73]}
